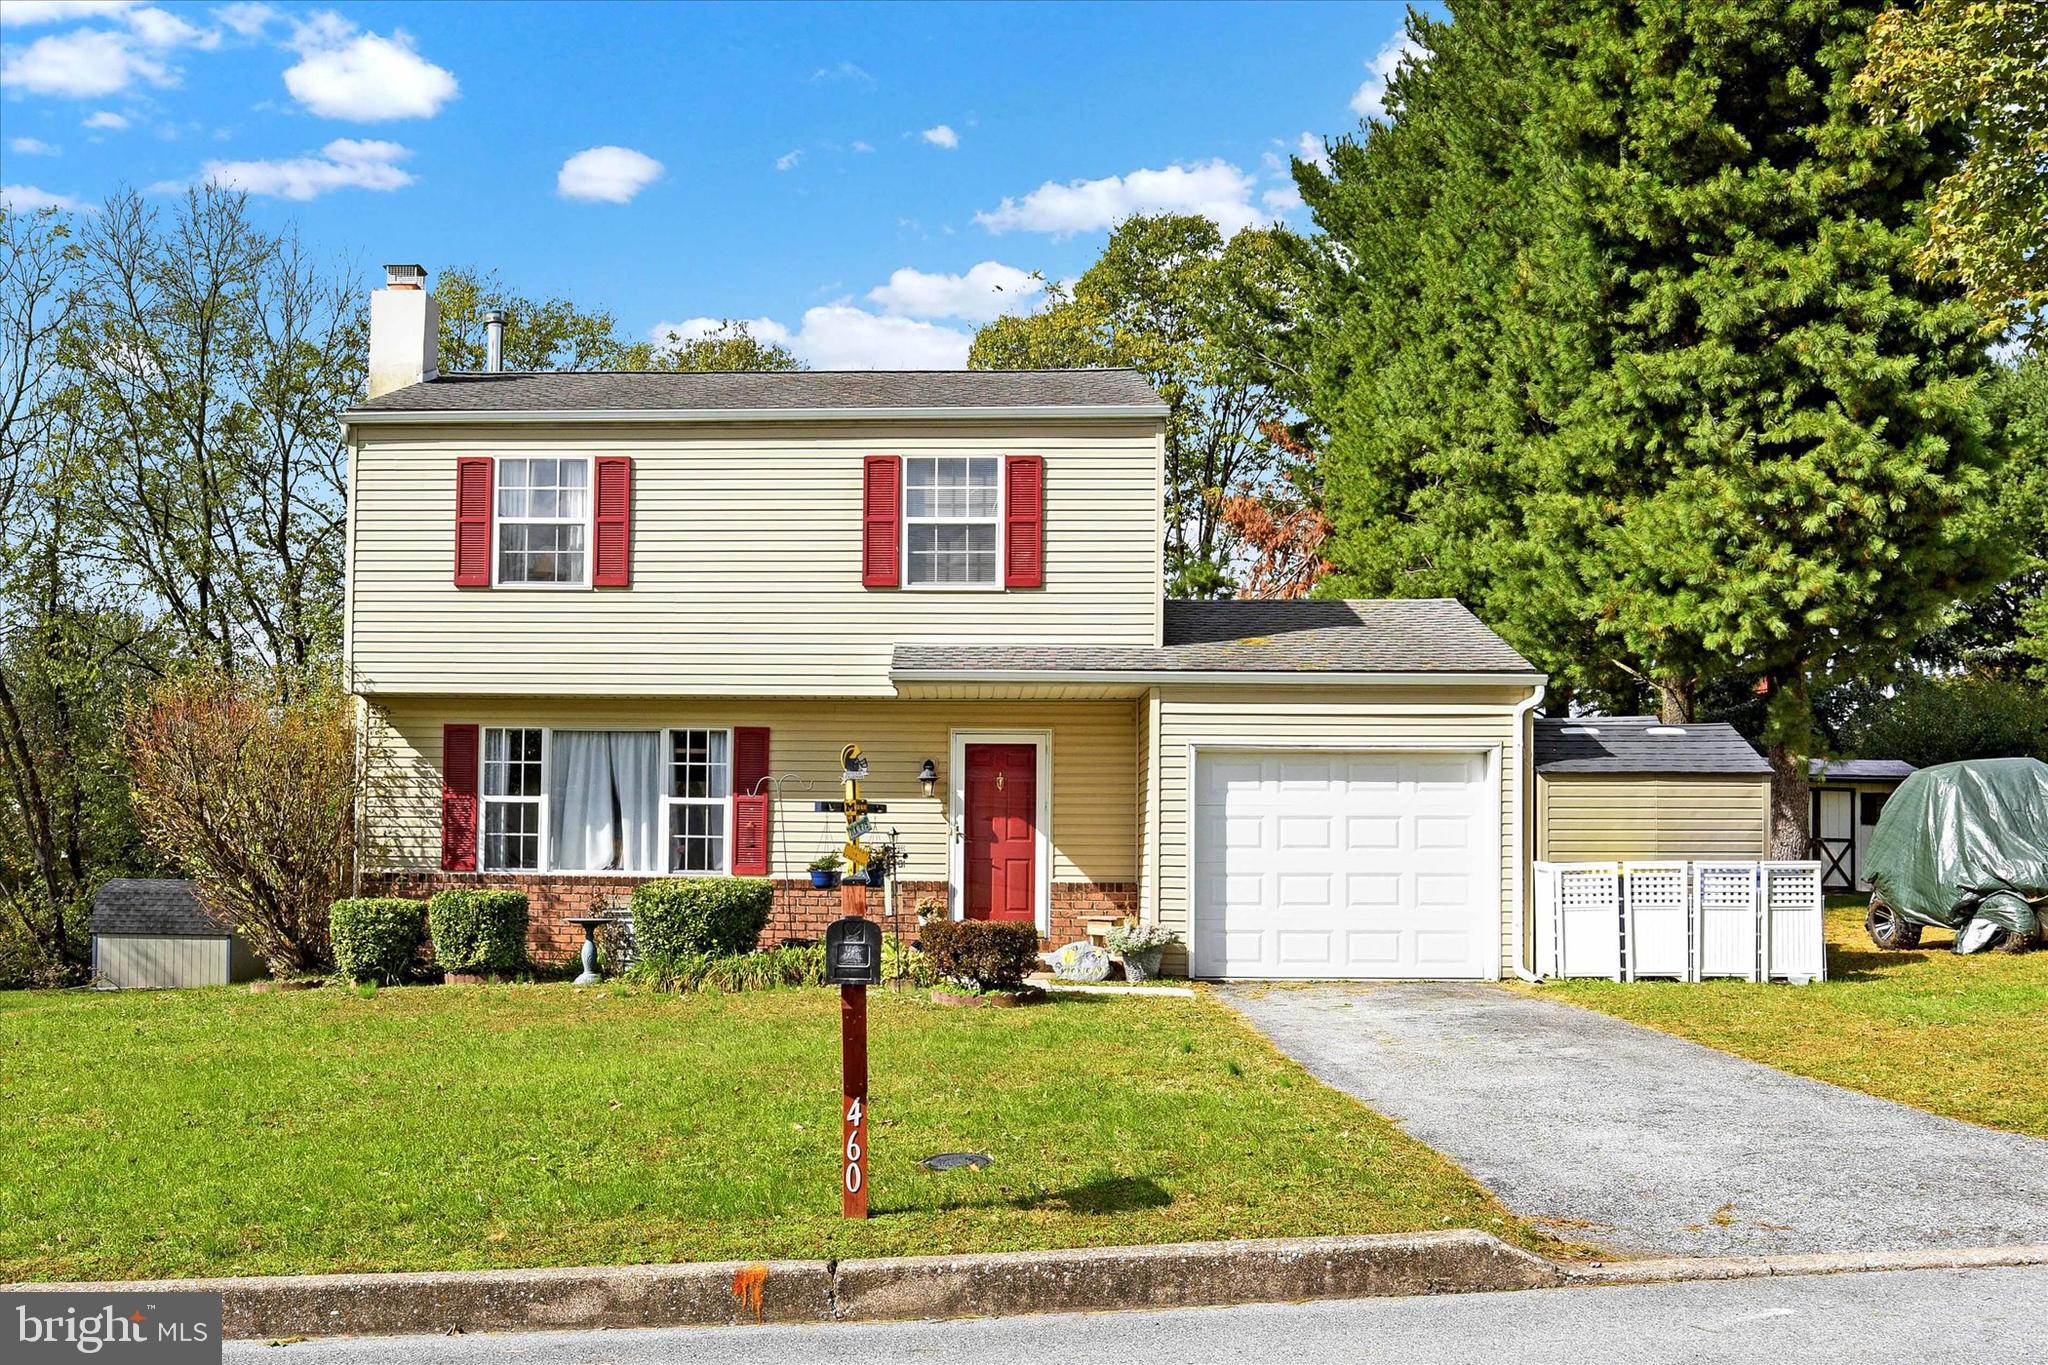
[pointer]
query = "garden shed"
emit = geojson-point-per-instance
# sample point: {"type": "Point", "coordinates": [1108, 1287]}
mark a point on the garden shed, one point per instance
{"type": "Point", "coordinates": [1848, 794]}
{"type": "Point", "coordinates": [1620, 788]}
{"type": "Point", "coordinates": [152, 933]}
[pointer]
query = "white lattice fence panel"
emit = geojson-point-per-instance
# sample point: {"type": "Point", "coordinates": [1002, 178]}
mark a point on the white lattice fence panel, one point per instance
{"type": "Point", "coordinates": [1727, 931]}
{"type": "Point", "coordinates": [1656, 898]}
{"type": "Point", "coordinates": [1589, 928]}
{"type": "Point", "coordinates": [1795, 938]}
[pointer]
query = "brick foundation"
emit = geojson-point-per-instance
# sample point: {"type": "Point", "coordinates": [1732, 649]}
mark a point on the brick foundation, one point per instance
{"type": "Point", "coordinates": [799, 915]}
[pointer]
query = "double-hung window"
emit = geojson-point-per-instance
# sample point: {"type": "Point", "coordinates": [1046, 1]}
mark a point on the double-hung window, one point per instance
{"type": "Point", "coordinates": [544, 521]}
{"type": "Point", "coordinates": [952, 521]}
{"type": "Point", "coordinates": [513, 799]}
{"type": "Point", "coordinates": [698, 795]}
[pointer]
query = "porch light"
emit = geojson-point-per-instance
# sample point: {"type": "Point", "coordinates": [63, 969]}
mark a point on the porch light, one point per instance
{"type": "Point", "coordinates": [928, 777]}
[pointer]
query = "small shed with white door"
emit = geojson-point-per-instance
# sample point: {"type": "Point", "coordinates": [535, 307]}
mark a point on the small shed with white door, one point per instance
{"type": "Point", "coordinates": [1629, 789]}
{"type": "Point", "coordinates": [1848, 796]}
{"type": "Point", "coordinates": [151, 933]}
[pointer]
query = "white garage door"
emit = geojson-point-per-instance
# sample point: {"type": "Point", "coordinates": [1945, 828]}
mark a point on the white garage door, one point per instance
{"type": "Point", "coordinates": [1345, 864]}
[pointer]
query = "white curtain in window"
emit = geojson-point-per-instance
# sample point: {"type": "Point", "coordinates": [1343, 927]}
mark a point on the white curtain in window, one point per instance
{"type": "Point", "coordinates": [636, 780]}
{"type": "Point", "coordinates": [585, 838]}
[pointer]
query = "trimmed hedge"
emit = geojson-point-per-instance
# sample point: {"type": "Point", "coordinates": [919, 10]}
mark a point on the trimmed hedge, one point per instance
{"type": "Point", "coordinates": [700, 916]}
{"type": "Point", "coordinates": [995, 955]}
{"type": "Point", "coordinates": [478, 931]}
{"type": "Point", "coordinates": [375, 937]}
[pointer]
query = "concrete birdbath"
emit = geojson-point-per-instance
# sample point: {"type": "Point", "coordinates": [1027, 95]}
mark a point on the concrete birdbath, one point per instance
{"type": "Point", "coordinates": [589, 925]}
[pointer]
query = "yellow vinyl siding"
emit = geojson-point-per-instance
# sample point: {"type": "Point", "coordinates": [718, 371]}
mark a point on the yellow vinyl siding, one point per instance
{"type": "Point", "coordinates": [746, 561]}
{"type": "Point", "coordinates": [1470, 718]}
{"type": "Point", "coordinates": [1598, 817]}
{"type": "Point", "coordinates": [1094, 771]}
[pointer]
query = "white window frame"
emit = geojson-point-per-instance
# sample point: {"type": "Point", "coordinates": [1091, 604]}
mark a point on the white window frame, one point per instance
{"type": "Point", "coordinates": [589, 523]}
{"type": "Point", "coordinates": [670, 799]}
{"type": "Point", "coordinates": [540, 802]}
{"type": "Point", "coordinates": [1000, 520]}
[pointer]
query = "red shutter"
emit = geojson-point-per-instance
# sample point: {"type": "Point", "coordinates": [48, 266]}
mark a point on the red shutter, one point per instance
{"type": "Point", "coordinates": [750, 770]}
{"type": "Point", "coordinates": [473, 522]}
{"type": "Point", "coordinates": [458, 798]}
{"type": "Point", "coordinates": [881, 521]}
{"type": "Point", "coordinates": [1024, 522]}
{"type": "Point", "coordinates": [613, 523]}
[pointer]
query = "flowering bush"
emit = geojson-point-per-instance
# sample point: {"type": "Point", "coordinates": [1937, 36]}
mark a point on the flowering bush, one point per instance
{"type": "Point", "coordinates": [1126, 939]}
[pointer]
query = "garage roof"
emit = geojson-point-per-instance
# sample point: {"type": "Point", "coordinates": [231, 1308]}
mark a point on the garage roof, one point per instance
{"type": "Point", "coordinates": [159, 907]}
{"type": "Point", "coordinates": [1419, 635]}
{"type": "Point", "coordinates": [1641, 745]}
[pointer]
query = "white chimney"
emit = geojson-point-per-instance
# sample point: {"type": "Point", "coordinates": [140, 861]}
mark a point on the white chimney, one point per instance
{"type": "Point", "coordinates": [405, 331]}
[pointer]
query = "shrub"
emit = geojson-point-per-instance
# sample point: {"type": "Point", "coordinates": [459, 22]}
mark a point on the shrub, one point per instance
{"type": "Point", "coordinates": [375, 937]}
{"type": "Point", "coordinates": [708, 916]}
{"type": "Point", "coordinates": [478, 931]}
{"type": "Point", "coordinates": [903, 959]}
{"type": "Point", "coordinates": [993, 955]}
{"type": "Point", "coordinates": [765, 970]}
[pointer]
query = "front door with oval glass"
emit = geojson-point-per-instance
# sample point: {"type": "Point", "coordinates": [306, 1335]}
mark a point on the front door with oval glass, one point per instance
{"type": "Point", "coordinates": [1002, 838]}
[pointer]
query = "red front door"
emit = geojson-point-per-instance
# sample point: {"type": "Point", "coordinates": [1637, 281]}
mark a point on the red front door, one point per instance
{"type": "Point", "coordinates": [1002, 842]}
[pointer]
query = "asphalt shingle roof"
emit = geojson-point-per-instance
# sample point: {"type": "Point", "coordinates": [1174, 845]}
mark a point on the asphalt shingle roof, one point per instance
{"type": "Point", "coordinates": [1861, 770]}
{"type": "Point", "coordinates": [1626, 744]}
{"type": "Point", "coordinates": [1424, 635]}
{"type": "Point", "coordinates": [157, 906]}
{"type": "Point", "coordinates": [800, 390]}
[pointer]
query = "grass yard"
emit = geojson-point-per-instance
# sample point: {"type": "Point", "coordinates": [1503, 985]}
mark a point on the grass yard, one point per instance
{"type": "Point", "coordinates": [1961, 1036]}
{"type": "Point", "coordinates": [211, 1132]}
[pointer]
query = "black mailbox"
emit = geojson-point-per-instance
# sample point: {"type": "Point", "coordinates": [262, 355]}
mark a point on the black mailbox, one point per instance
{"type": "Point", "coordinates": [853, 952]}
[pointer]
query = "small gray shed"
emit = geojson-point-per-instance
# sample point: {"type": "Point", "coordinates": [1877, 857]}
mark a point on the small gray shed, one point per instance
{"type": "Point", "coordinates": [1613, 788]}
{"type": "Point", "coordinates": [151, 933]}
{"type": "Point", "coordinates": [1848, 794]}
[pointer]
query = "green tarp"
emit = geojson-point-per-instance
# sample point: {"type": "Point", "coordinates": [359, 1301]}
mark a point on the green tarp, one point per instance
{"type": "Point", "coordinates": [1965, 846]}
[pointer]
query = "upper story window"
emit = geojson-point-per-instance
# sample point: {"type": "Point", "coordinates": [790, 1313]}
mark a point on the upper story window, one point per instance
{"type": "Point", "coordinates": [543, 521]}
{"type": "Point", "coordinates": [952, 521]}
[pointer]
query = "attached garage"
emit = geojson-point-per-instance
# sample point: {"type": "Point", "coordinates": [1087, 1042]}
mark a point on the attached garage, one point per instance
{"type": "Point", "coordinates": [1619, 788]}
{"type": "Point", "coordinates": [1345, 864]}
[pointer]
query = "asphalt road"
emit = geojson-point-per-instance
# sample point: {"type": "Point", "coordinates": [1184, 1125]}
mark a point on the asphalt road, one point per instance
{"type": "Point", "coordinates": [1923, 1316]}
{"type": "Point", "coordinates": [1621, 1135]}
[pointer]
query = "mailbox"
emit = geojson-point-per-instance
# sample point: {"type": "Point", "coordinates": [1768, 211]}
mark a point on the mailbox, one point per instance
{"type": "Point", "coordinates": [853, 952]}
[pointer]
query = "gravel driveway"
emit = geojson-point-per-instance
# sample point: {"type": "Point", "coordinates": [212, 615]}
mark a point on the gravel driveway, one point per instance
{"type": "Point", "coordinates": [1604, 1131]}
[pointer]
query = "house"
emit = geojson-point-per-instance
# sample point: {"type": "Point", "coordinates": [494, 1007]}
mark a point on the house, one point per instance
{"type": "Point", "coordinates": [1848, 795]}
{"type": "Point", "coordinates": [1614, 788]}
{"type": "Point", "coordinates": [606, 627]}
{"type": "Point", "coordinates": [152, 933]}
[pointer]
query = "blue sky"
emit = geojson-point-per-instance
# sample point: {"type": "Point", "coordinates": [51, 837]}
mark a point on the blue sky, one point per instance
{"type": "Point", "coordinates": [861, 177]}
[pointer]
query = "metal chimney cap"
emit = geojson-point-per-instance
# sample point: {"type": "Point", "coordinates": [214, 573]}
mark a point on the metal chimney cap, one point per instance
{"type": "Point", "coordinates": [405, 276]}
{"type": "Point", "coordinates": [496, 315]}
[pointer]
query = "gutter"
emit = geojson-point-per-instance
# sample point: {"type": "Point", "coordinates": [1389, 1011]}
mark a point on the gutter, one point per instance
{"type": "Point", "coordinates": [445, 417]}
{"type": "Point", "coordinates": [1524, 741]}
{"type": "Point", "coordinates": [1146, 677]}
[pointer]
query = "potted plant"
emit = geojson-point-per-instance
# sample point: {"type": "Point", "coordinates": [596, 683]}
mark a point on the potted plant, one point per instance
{"type": "Point", "coordinates": [1140, 946]}
{"type": "Point", "coordinates": [825, 870]}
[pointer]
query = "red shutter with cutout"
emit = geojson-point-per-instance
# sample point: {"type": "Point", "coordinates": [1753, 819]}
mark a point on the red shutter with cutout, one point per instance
{"type": "Point", "coordinates": [881, 521]}
{"type": "Point", "coordinates": [458, 798]}
{"type": "Point", "coordinates": [612, 524]}
{"type": "Point", "coordinates": [750, 771]}
{"type": "Point", "coordinates": [473, 522]}
{"type": "Point", "coordinates": [1024, 522]}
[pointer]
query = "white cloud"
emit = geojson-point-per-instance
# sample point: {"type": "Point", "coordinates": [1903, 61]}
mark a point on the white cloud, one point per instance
{"type": "Point", "coordinates": [27, 199]}
{"type": "Point", "coordinates": [788, 160]}
{"type": "Point", "coordinates": [1370, 100]}
{"type": "Point", "coordinates": [611, 175]}
{"type": "Point", "coordinates": [985, 292]}
{"type": "Point", "coordinates": [108, 119]}
{"type": "Point", "coordinates": [345, 163]}
{"type": "Point", "coordinates": [941, 136]}
{"type": "Point", "coordinates": [1314, 149]}
{"type": "Point", "coordinates": [249, 18]}
{"type": "Point", "coordinates": [154, 27]}
{"type": "Point", "coordinates": [32, 146]}
{"type": "Point", "coordinates": [346, 74]}
{"type": "Point", "coordinates": [82, 63]}
{"type": "Point", "coordinates": [26, 12]}
{"type": "Point", "coordinates": [1282, 199]}
{"type": "Point", "coordinates": [841, 71]}
{"type": "Point", "coordinates": [1215, 189]}
{"type": "Point", "coordinates": [860, 146]}
{"type": "Point", "coordinates": [839, 336]}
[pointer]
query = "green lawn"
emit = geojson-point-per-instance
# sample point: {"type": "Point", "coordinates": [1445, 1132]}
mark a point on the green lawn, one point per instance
{"type": "Point", "coordinates": [1962, 1036]}
{"type": "Point", "coordinates": [217, 1132]}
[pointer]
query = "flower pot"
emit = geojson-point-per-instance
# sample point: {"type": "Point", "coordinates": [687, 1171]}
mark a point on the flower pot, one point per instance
{"type": "Point", "coordinates": [1143, 966]}
{"type": "Point", "coordinates": [823, 880]}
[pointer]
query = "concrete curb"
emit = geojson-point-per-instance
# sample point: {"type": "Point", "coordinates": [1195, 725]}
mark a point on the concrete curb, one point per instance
{"type": "Point", "coordinates": [1672, 1268]}
{"type": "Point", "coordinates": [705, 1295]}
{"type": "Point", "coordinates": [1187, 1275]}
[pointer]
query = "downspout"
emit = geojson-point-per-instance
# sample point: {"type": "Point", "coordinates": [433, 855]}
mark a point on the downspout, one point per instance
{"type": "Point", "coordinates": [1526, 750]}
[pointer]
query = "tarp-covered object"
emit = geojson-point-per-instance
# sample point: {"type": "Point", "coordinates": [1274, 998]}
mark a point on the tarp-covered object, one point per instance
{"type": "Point", "coordinates": [1965, 846]}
